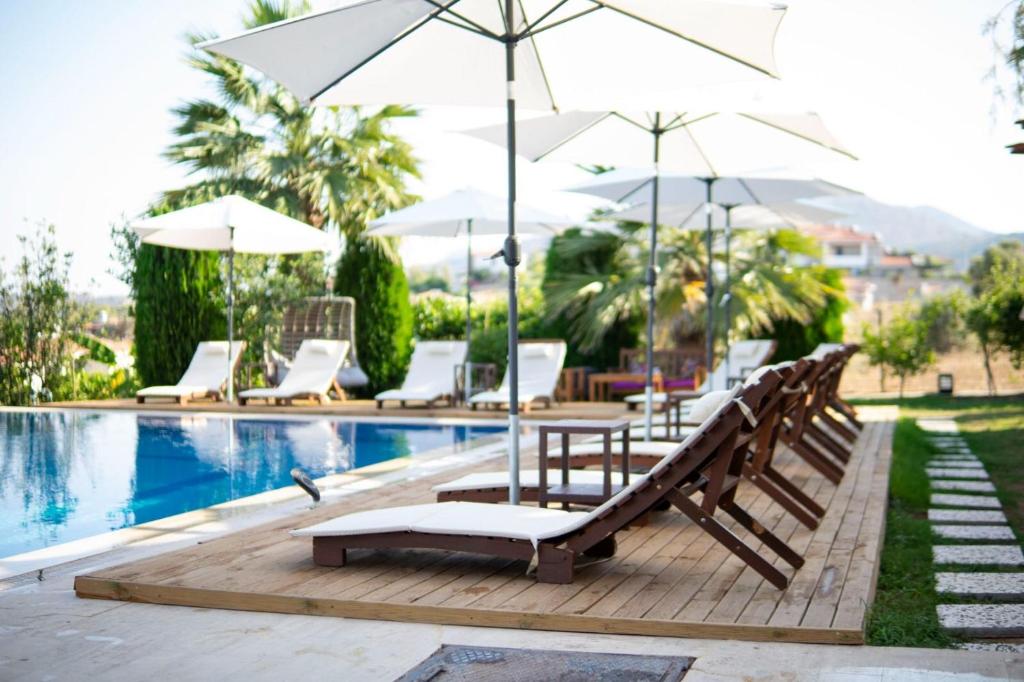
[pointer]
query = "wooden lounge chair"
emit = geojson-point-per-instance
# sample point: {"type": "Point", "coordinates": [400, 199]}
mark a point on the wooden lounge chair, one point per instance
{"type": "Point", "coordinates": [807, 439]}
{"type": "Point", "coordinates": [312, 374]}
{"type": "Point", "coordinates": [206, 376]}
{"type": "Point", "coordinates": [431, 375]}
{"type": "Point", "coordinates": [555, 540]}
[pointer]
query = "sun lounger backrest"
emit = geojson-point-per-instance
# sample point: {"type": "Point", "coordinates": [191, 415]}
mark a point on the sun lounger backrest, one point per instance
{"type": "Point", "coordinates": [744, 357]}
{"type": "Point", "coordinates": [316, 363]}
{"type": "Point", "coordinates": [432, 366]}
{"type": "Point", "coordinates": [209, 365]}
{"type": "Point", "coordinates": [540, 364]}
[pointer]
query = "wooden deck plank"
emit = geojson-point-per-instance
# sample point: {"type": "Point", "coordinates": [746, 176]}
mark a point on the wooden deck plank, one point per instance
{"type": "Point", "coordinates": [667, 578]}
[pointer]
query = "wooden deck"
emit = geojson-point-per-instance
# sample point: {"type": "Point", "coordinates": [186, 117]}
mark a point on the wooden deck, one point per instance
{"type": "Point", "coordinates": [667, 578]}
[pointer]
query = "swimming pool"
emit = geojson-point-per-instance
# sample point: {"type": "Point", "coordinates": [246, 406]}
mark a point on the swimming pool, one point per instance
{"type": "Point", "coordinates": [69, 474]}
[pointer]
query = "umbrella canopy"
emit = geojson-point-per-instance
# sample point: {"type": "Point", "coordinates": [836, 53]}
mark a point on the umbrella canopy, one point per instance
{"type": "Point", "coordinates": [794, 214]}
{"type": "Point", "coordinates": [231, 224]}
{"type": "Point", "coordinates": [634, 185]}
{"type": "Point", "coordinates": [517, 52]}
{"type": "Point", "coordinates": [697, 142]}
{"type": "Point", "coordinates": [449, 216]}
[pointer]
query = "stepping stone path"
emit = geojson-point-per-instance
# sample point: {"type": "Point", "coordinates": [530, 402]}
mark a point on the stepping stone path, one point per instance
{"type": "Point", "coordinates": [981, 501]}
{"type": "Point", "coordinates": [965, 516]}
{"type": "Point", "coordinates": [972, 518]}
{"type": "Point", "coordinates": [974, 532]}
{"type": "Point", "coordinates": [983, 620]}
{"type": "Point", "coordinates": [963, 486]}
{"type": "Point", "coordinates": [945, 472]}
{"type": "Point", "coordinates": [1000, 586]}
{"type": "Point", "coordinates": [978, 555]}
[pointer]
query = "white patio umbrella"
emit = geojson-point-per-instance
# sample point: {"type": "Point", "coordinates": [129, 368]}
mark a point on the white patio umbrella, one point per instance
{"type": "Point", "coordinates": [465, 212]}
{"type": "Point", "coordinates": [701, 143]}
{"type": "Point", "coordinates": [539, 54]}
{"type": "Point", "coordinates": [231, 225]}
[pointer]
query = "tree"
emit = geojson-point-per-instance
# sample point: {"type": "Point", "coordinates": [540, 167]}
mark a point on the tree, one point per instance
{"type": "Point", "coordinates": [38, 319]}
{"type": "Point", "coordinates": [901, 345]}
{"type": "Point", "coordinates": [370, 273]}
{"type": "Point", "coordinates": [333, 168]}
{"type": "Point", "coordinates": [980, 273]}
{"type": "Point", "coordinates": [179, 302]}
{"type": "Point", "coordinates": [601, 283]}
{"type": "Point", "coordinates": [796, 339]}
{"type": "Point", "coordinates": [1012, 52]}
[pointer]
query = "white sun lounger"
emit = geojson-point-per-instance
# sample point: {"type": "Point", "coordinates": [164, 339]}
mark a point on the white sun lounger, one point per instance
{"type": "Point", "coordinates": [205, 377]}
{"type": "Point", "coordinates": [540, 365]}
{"type": "Point", "coordinates": [431, 375]}
{"type": "Point", "coordinates": [313, 372]}
{"type": "Point", "coordinates": [744, 358]}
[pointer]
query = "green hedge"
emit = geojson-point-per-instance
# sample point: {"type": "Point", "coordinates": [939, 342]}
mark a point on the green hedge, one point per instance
{"type": "Point", "coordinates": [384, 321]}
{"type": "Point", "coordinates": [178, 303]}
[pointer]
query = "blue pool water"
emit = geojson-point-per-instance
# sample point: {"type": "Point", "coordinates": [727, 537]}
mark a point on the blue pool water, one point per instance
{"type": "Point", "coordinates": [69, 474]}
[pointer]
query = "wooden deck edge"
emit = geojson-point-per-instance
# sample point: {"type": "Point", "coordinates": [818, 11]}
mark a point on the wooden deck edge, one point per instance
{"type": "Point", "coordinates": [93, 587]}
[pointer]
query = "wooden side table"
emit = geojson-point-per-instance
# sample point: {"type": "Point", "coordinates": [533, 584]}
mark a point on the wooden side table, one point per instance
{"type": "Point", "coordinates": [592, 494]}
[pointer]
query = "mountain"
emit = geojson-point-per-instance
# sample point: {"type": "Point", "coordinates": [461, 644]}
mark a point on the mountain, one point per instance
{"type": "Point", "coordinates": [922, 229]}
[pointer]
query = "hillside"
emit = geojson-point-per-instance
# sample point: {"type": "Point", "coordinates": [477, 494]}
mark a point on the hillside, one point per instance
{"type": "Point", "coordinates": [923, 229]}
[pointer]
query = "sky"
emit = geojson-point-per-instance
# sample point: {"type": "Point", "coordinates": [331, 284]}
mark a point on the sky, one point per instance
{"type": "Point", "coordinates": [89, 87]}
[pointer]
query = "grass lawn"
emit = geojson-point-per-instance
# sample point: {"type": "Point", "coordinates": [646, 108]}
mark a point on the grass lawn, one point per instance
{"type": "Point", "coordinates": [904, 609]}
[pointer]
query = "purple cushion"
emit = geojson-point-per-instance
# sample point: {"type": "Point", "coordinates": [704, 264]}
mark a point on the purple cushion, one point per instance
{"type": "Point", "coordinates": [627, 385]}
{"type": "Point", "coordinates": [678, 383]}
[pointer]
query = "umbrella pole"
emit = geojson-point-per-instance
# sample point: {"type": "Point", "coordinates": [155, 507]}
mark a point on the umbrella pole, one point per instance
{"type": "Point", "coordinates": [652, 278]}
{"type": "Point", "coordinates": [467, 370]}
{"type": "Point", "coordinates": [709, 291]}
{"type": "Point", "coordinates": [511, 253]}
{"type": "Point", "coordinates": [727, 298]}
{"type": "Point", "coordinates": [231, 315]}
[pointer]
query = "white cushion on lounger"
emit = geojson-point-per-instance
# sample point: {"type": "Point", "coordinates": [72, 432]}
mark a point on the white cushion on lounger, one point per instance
{"type": "Point", "coordinates": [172, 391]}
{"type": "Point", "coordinates": [450, 518]}
{"type": "Point", "coordinates": [529, 478]}
{"type": "Point", "coordinates": [431, 373]}
{"type": "Point", "coordinates": [706, 405]}
{"type": "Point", "coordinates": [501, 520]}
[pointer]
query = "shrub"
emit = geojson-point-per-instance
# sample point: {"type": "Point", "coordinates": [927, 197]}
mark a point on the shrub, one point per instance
{"type": "Point", "coordinates": [178, 303]}
{"type": "Point", "coordinates": [373, 276]}
{"type": "Point", "coordinates": [796, 339]}
{"type": "Point", "coordinates": [37, 321]}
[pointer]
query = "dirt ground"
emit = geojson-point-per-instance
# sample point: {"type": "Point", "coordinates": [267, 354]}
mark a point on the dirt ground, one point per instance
{"type": "Point", "coordinates": [966, 366]}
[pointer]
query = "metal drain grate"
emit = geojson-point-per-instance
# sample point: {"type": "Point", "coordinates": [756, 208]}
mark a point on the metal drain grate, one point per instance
{"type": "Point", "coordinates": [453, 663]}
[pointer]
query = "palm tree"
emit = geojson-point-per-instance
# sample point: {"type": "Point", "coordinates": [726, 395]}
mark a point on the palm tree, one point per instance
{"type": "Point", "coordinates": [334, 167]}
{"type": "Point", "coordinates": [766, 287]}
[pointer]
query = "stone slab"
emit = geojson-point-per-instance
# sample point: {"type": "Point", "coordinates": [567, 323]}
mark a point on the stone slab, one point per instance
{"type": "Point", "coordinates": [944, 426]}
{"type": "Point", "coordinates": [1000, 647]}
{"type": "Point", "coordinates": [965, 516]}
{"type": "Point", "coordinates": [942, 461]}
{"type": "Point", "coordinates": [974, 532]}
{"type": "Point", "coordinates": [1008, 586]}
{"type": "Point", "coordinates": [982, 620]}
{"type": "Point", "coordinates": [978, 555]}
{"type": "Point", "coordinates": [960, 465]}
{"type": "Point", "coordinates": [963, 486]}
{"type": "Point", "coordinates": [948, 472]}
{"type": "Point", "coordinates": [979, 501]}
